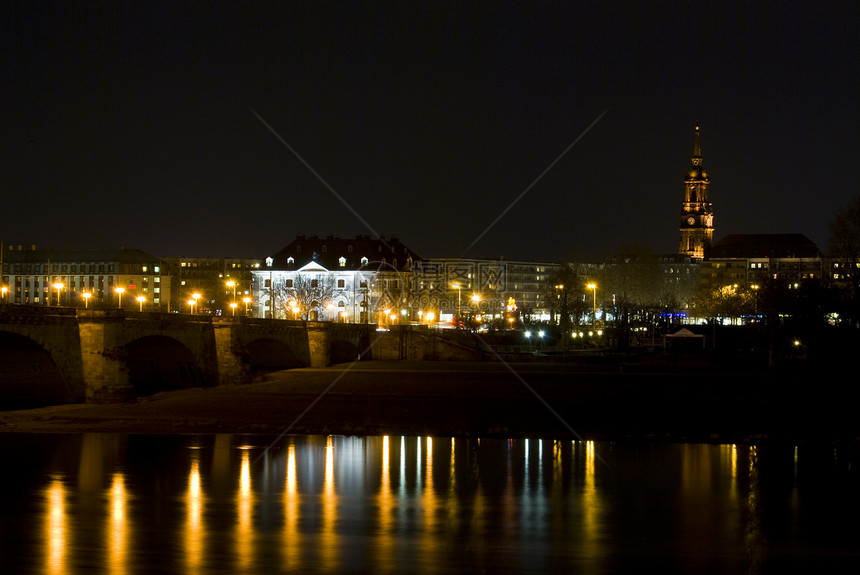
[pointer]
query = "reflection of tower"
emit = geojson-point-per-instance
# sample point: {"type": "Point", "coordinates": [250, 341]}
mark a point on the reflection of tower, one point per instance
{"type": "Point", "coordinates": [697, 214]}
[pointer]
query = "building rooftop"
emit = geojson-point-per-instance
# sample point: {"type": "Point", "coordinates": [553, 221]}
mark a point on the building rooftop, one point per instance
{"type": "Point", "coordinates": [328, 251]}
{"type": "Point", "coordinates": [765, 246]}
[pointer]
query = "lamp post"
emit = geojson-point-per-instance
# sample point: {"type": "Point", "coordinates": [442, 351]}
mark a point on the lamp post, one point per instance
{"type": "Point", "coordinates": [247, 300]}
{"type": "Point", "coordinates": [593, 288]}
{"type": "Point", "coordinates": [86, 295]}
{"type": "Point", "coordinates": [232, 284]}
{"type": "Point", "coordinates": [233, 305]}
{"type": "Point", "coordinates": [459, 287]}
{"type": "Point", "coordinates": [195, 296]}
{"type": "Point", "coordinates": [5, 291]}
{"type": "Point", "coordinates": [58, 286]}
{"type": "Point", "coordinates": [141, 300]}
{"type": "Point", "coordinates": [119, 291]}
{"type": "Point", "coordinates": [191, 306]}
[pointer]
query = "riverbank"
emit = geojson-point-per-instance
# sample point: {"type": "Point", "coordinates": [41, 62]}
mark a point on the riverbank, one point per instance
{"type": "Point", "coordinates": [477, 400]}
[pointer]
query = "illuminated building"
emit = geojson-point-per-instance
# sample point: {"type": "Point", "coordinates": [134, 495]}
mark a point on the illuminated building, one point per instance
{"type": "Point", "coordinates": [338, 279]}
{"type": "Point", "coordinates": [30, 274]}
{"type": "Point", "coordinates": [697, 213]}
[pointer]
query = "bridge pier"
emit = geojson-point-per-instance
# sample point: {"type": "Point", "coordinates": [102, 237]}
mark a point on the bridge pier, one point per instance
{"type": "Point", "coordinates": [105, 367]}
{"type": "Point", "coordinates": [231, 356]}
{"type": "Point", "coordinates": [318, 343]}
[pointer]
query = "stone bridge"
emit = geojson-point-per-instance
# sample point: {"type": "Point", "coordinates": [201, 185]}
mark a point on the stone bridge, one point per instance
{"type": "Point", "coordinates": [61, 355]}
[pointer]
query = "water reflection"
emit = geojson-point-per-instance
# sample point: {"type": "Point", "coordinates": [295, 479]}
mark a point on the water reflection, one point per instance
{"type": "Point", "coordinates": [56, 529]}
{"type": "Point", "coordinates": [118, 527]}
{"type": "Point", "coordinates": [108, 504]}
{"type": "Point", "coordinates": [194, 530]}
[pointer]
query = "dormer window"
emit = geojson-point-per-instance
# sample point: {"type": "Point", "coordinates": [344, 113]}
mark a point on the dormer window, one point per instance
{"type": "Point", "coordinates": [268, 262]}
{"type": "Point", "coordinates": [364, 261]}
{"type": "Point", "coordinates": [341, 262]}
{"type": "Point", "coordinates": [291, 261]}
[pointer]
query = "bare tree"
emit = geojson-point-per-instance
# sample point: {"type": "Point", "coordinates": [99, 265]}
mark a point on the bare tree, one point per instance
{"type": "Point", "coordinates": [305, 294]}
{"type": "Point", "coordinates": [564, 299]}
{"type": "Point", "coordinates": [845, 246]}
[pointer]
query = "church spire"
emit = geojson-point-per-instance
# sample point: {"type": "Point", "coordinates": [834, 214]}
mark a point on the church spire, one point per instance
{"type": "Point", "coordinates": [697, 213]}
{"type": "Point", "coordinates": [697, 148]}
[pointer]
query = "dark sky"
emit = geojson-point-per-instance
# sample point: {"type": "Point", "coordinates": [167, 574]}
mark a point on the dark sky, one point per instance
{"type": "Point", "coordinates": [135, 124]}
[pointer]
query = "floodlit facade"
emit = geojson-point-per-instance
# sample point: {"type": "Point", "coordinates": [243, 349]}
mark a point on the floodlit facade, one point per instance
{"type": "Point", "coordinates": [112, 278]}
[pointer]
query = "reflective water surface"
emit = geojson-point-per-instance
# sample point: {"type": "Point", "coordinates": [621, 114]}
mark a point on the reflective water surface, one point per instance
{"type": "Point", "coordinates": [102, 503]}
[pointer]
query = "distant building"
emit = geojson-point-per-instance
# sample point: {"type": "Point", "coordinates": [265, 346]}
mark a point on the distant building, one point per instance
{"type": "Point", "coordinates": [62, 277]}
{"type": "Point", "coordinates": [697, 212]}
{"type": "Point", "coordinates": [759, 260]}
{"type": "Point", "coordinates": [486, 286]}
{"type": "Point", "coordinates": [211, 279]}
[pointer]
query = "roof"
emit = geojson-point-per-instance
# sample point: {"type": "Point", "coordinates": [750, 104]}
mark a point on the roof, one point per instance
{"type": "Point", "coordinates": [328, 251]}
{"type": "Point", "coordinates": [765, 246]}
{"type": "Point", "coordinates": [121, 255]}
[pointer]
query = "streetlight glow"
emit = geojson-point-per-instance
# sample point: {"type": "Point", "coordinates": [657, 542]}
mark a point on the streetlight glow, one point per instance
{"type": "Point", "coordinates": [86, 295]}
{"type": "Point", "coordinates": [58, 286]}
{"type": "Point", "coordinates": [119, 291]}
{"type": "Point", "coordinates": [141, 300]}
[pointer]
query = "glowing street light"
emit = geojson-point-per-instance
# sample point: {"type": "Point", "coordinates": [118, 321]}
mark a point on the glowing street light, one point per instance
{"type": "Point", "coordinates": [86, 295]}
{"type": "Point", "coordinates": [194, 297]}
{"type": "Point", "coordinates": [119, 291]}
{"type": "Point", "coordinates": [5, 291]}
{"type": "Point", "coordinates": [233, 305]}
{"type": "Point", "coordinates": [593, 288]}
{"type": "Point", "coordinates": [247, 300]}
{"type": "Point", "coordinates": [191, 303]}
{"type": "Point", "coordinates": [141, 300]}
{"type": "Point", "coordinates": [58, 286]}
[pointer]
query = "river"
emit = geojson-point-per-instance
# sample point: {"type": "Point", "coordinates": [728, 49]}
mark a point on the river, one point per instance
{"type": "Point", "coordinates": [123, 504]}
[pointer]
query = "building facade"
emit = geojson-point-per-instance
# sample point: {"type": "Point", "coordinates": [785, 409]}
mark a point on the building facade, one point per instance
{"type": "Point", "coordinates": [84, 278]}
{"type": "Point", "coordinates": [755, 261]}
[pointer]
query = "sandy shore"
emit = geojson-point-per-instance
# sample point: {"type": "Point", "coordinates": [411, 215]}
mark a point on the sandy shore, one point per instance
{"type": "Point", "coordinates": [467, 399]}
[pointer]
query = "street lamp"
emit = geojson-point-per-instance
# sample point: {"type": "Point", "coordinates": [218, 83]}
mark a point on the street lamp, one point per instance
{"type": "Point", "coordinates": [4, 290]}
{"type": "Point", "coordinates": [232, 284]}
{"type": "Point", "coordinates": [593, 288]}
{"type": "Point", "coordinates": [141, 300]}
{"type": "Point", "coordinates": [247, 300]}
{"type": "Point", "coordinates": [191, 303]}
{"type": "Point", "coordinates": [119, 291]}
{"type": "Point", "coordinates": [58, 286]}
{"type": "Point", "coordinates": [86, 295]}
{"type": "Point", "coordinates": [195, 296]}
{"type": "Point", "coordinates": [233, 305]}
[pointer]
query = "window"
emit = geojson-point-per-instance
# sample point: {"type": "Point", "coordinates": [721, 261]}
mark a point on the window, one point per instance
{"type": "Point", "coordinates": [363, 261]}
{"type": "Point", "coordinates": [341, 284]}
{"type": "Point", "coordinates": [315, 283]}
{"type": "Point", "coordinates": [288, 283]}
{"type": "Point", "coordinates": [342, 262]}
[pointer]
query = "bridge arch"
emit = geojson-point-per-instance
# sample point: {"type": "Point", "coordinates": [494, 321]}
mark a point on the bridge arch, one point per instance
{"type": "Point", "coordinates": [269, 354]}
{"type": "Point", "coordinates": [158, 362]}
{"type": "Point", "coordinates": [30, 377]}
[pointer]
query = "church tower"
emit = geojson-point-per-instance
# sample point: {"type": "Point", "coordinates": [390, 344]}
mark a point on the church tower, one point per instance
{"type": "Point", "coordinates": [697, 213]}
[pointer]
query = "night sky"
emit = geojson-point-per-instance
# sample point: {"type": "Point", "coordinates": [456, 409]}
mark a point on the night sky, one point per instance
{"type": "Point", "coordinates": [168, 126]}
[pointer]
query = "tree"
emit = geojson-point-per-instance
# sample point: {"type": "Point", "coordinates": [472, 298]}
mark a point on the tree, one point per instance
{"type": "Point", "coordinates": [564, 299]}
{"type": "Point", "coordinates": [845, 247]}
{"type": "Point", "coordinates": [728, 301]}
{"type": "Point", "coordinates": [310, 294]}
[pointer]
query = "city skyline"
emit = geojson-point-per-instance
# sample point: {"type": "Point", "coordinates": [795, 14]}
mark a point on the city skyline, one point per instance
{"type": "Point", "coordinates": [533, 132]}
